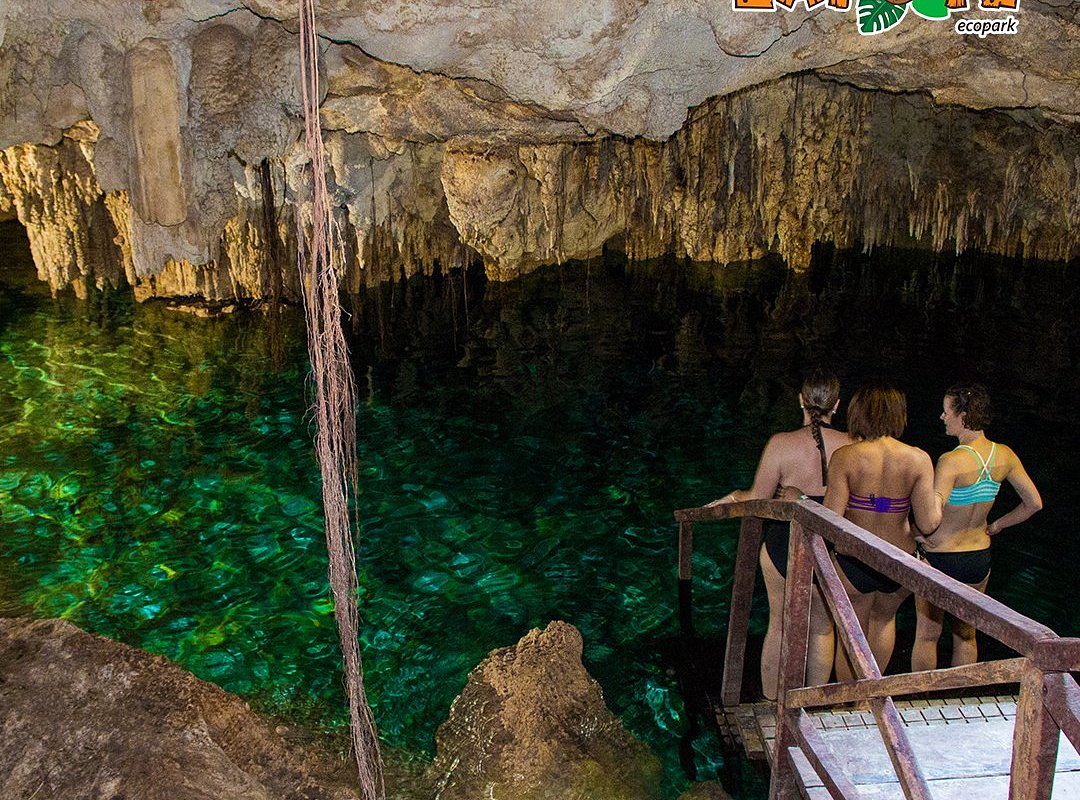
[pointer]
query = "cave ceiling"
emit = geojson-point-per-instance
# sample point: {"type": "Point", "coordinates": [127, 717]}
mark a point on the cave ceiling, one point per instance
{"type": "Point", "coordinates": [631, 67]}
{"type": "Point", "coordinates": [173, 104]}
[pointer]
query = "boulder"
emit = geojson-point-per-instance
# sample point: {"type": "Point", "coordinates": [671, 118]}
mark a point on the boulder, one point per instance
{"type": "Point", "coordinates": [531, 723]}
{"type": "Point", "coordinates": [86, 717]}
{"type": "Point", "coordinates": [707, 790]}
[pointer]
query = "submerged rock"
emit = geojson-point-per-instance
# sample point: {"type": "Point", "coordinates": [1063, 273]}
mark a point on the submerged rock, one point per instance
{"type": "Point", "coordinates": [85, 717]}
{"type": "Point", "coordinates": [531, 723]}
{"type": "Point", "coordinates": [708, 790]}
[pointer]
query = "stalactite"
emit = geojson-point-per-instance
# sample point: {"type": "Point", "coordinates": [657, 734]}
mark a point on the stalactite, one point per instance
{"type": "Point", "coordinates": [272, 266]}
{"type": "Point", "coordinates": [772, 169]}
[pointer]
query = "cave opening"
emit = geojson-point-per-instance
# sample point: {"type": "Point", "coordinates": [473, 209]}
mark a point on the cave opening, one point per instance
{"type": "Point", "coordinates": [18, 275]}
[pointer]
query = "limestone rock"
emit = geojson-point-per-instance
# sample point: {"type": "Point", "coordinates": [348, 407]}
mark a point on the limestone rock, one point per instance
{"type": "Point", "coordinates": [634, 67]}
{"type": "Point", "coordinates": [159, 159]}
{"type": "Point", "coordinates": [522, 133]}
{"type": "Point", "coordinates": [84, 717]}
{"type": "Point", "coordinates": [771, 170]}
{"type": "Point", "coordinates": [708, 790]}
{"type": "Point", "coordinates": [531, 723]}
{"type": "Point", "coordinates": [774, 170]}
{"type": "Point", "coordinates": [55, 194]}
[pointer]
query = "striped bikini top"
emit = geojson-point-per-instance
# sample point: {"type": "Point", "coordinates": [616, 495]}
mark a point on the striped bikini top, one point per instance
{"type": "Point", "coordinates": [984, 490]}
{"type": "Point", "coordinates": [878, 505]}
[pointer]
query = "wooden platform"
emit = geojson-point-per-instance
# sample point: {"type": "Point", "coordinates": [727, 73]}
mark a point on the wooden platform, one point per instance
{"type": "Point", "coordinates": [963, 745]}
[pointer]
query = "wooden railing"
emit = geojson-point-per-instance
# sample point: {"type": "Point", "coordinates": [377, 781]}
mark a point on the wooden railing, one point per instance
{"type": "Point", "coordinates": [1049, 699]}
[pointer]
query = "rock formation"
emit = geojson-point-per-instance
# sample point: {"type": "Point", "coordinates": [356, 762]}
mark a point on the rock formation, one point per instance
{"type": "Point", "coordinates": [134, 136]}
{"type": "Point", "coordinates": [705, 791]}
{"type": "Point", "coordinates": [84, 717]}
{"type": "Point", "coordinates": [532, 724]}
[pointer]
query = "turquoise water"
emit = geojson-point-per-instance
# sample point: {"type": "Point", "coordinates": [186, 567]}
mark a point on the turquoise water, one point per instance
{"type": "Point", "coordinates": [521, 456]}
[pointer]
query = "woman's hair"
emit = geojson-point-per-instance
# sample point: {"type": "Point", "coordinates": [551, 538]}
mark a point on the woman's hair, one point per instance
{"type": "Point", "coordinates": [877, 410]}
{"type": "Point", "coordinates": [820, 391]}
{"type": "Point", "coordinates": [973, 401]}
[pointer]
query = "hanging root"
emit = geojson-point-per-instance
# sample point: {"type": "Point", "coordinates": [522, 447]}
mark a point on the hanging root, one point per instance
{"type": "Point", "coordinates": [320, 263]}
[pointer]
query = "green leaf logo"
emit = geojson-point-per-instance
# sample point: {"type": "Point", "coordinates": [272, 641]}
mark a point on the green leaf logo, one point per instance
{"type": "Point", "coordinates": [877, 16]}
{"type": "Point", "coordinates": [930, 9]}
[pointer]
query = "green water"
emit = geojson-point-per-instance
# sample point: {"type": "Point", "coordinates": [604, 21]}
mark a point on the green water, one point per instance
{"type": "Point", "coordinates": [521, 456]}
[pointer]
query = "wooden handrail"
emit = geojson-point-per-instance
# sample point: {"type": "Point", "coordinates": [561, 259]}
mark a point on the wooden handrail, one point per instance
{"type": "Point", "coordinates": [1062, 698]}
{"type": "Point", "coordinates": [742, 593]}
{"type": "Point", "coordinates": [1057, 654]}
{"type": "Point", "coordinates": [1035, 741]}
{"type": "Point", "coordinates": [985, 673]}
{"type": "Point", "coordinates": [1048, 702]}
{"type": "Point", "coordinates": [847, 625]}
{"type": "Point", "coordinates": [986, 614]}
{"type": "Point", "coordinates": [762, 509]}
{"type": "Point", "coordinates": [965, 603]}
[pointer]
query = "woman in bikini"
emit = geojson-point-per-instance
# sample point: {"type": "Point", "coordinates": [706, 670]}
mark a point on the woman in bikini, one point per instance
{"type": "Point", "coordinates": [966, 482]}
{"type": "Point", "coordinates": [794, 464]}
{"type": "Point", "coordinates": [875, 483]}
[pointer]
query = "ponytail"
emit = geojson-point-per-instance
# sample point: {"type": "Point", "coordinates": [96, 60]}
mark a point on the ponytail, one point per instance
{"type": "Point", "coordinates": [820, 393]}
{"type": "Point", "coordinates": [815, 429]}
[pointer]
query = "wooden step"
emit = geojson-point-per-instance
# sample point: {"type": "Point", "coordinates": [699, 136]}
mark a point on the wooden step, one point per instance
{"type": "Point", "coordinates": [962, 760]}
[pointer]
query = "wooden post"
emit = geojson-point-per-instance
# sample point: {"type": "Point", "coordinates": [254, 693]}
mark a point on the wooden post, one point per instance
{"type": "Point", "coordinates": [742, 592]}
{"type": "Point", "coordinates": [793, 644]}
{"type": "Point", "coordinates": [686, 549]}
{"type": "Point", "coordinates": [1062, 698]}
{"type": "Point", "coordinates": [912, 781]}
{"type": "Point", "coordinates": [821, 759]}
{"type": "Point", "coordinates": [1035, 742]}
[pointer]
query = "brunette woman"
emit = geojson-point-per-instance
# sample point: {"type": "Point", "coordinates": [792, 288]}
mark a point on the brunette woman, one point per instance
{"type": "Point", "coordinates": [966, 482]}
{"type": "Point", "coordinates": [793, 464]}
{"type": "Point", "coordinates": [876, 482]}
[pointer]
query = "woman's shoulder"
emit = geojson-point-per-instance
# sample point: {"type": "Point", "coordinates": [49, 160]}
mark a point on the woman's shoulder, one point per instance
{"type": "Point", "coordinates": [780, 444]}
{"type": "Point", "coordinates": [837, 438]}
{"type": "Point", "coordinates": [1003, 454]}
{"type": "Point", "coordinates": [915, 454]}
{"type": "Point", "coordinates": [853, 450]}
{"type": "Point", "coordinates": [796, 436]}
{"type": "Point", "coordinates": [950, 458]}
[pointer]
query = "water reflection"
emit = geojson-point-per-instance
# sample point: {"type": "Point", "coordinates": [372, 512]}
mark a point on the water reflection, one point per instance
{"type": "Point", "coordinates": [522, 453]}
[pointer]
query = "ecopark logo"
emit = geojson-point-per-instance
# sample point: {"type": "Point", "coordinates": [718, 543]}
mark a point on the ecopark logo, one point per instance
{"type": "Point", "coordinates": [878, 16]}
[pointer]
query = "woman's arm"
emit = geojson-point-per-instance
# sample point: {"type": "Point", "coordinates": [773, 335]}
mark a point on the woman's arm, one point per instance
{"type": "Point", "coordinates": [1030, 499]}
{"type": "Point", "coordinates": [944, 480]}
{"type": "Point", "coordinates": [927, 497]}
{"type": "Point", "coordinates": [838, 491]}
{"type": "Point", "coordinates": [766, 479]}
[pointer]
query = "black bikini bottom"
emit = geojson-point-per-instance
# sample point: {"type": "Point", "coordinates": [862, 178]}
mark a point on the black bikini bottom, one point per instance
{"type": "Point", "coordinates": [863, 578]}
{"type": "Point", "coordinates": [967, 566]}
{"type": "Point", "coordinates": [778, 538]}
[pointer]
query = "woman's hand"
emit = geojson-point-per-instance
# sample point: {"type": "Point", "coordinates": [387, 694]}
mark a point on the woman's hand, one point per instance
{"type": "Point", "coordinates": [727, 498]}
{"type": "Point", "coordinates": [792, 493]}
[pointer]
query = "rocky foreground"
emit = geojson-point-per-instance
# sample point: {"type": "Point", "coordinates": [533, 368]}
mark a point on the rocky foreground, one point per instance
{"type": "Point", "coordinates": [85, 717]}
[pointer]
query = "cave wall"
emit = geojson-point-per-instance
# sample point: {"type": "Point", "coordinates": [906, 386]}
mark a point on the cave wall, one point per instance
{"type": "Point", "coordinates": [134, 141]}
